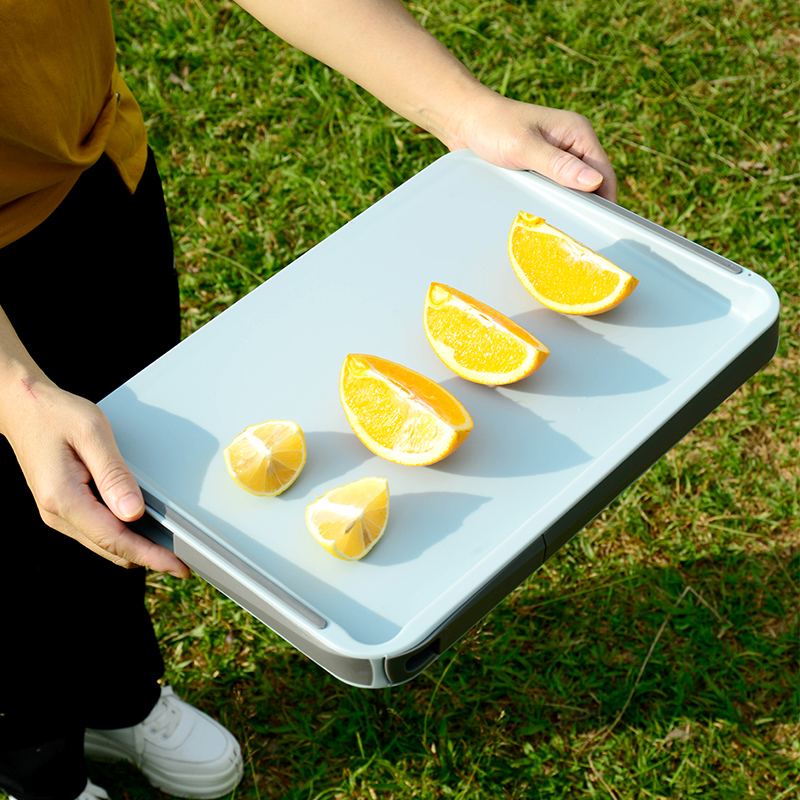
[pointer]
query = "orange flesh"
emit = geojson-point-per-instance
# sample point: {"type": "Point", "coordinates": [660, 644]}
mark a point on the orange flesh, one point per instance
{"type": "Point", "coordinates": [557, 270]}
{"type": "Point", "coordinates": [260, 473]}
{"type": "Point", "coordinates": [484, 349]}
{"type": "Point", "coordinates": [352, 536]}
{"type": "Point", "coordinates": [349, 520]}
{"type": "Point", "coordinates": [391, 422]}
{"type": "Point", "coordinates": [395, 415]}
{"type": "Point", "coordinates": [266, 458]}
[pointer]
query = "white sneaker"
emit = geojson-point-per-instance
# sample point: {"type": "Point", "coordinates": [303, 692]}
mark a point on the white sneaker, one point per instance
{"type": "Point", "coordinates": [178, 748]}
{"type": "Point", "coordinates": [91, 792]}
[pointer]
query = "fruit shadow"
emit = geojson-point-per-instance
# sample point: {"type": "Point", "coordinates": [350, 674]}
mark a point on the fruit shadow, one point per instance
{"type": "Point", "coordinates": [582, 362]}
{"type": "Point", "coordinates": [409, 534]}
{"type": "Point", "coordinates": [418, 520]}
{"type": "Point", "coordinates": [320, 595]}
{"type": "Point", "coordinates": [508, 439]}
{"type": "Point", "coordinates": [666, 296]}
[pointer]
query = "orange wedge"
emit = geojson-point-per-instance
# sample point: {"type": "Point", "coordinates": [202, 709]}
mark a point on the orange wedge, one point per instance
{"type": "Point", "coordinates": [348, 521]}
{"type": "Point", "coordinates": [477, 342]}
{"type": "Point", "coordinates": [561, 273]}
{"type": "Point", "coordinates": [399, 414]}
{"type": "Point", "coordinates": [266, 458]}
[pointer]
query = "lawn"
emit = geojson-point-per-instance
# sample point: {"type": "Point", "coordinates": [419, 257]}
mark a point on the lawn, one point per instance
{"type": "Point", "coordinates": [656, 655]}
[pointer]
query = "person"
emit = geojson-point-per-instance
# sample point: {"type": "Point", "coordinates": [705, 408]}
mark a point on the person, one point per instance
{"type": "Point", "coordinates": [88, 298]}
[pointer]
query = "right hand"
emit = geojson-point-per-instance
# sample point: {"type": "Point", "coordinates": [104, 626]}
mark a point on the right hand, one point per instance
{"type": "Point", "coordinates": [559, 144]}
{"type": "Point", "coordinates": [64, 443]}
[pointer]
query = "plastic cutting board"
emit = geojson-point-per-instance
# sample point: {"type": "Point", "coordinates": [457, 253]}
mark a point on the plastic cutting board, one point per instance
{"type": "Point", "coordinates": [545, 456]}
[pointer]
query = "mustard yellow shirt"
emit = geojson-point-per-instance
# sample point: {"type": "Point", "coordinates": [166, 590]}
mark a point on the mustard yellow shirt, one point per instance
{"type": "Point", "coordinates": [62, 105]}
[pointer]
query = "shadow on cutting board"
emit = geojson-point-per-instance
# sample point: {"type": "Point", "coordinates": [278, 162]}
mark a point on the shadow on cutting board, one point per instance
{"type": "Point", "coordinates": [499, 445]}
{"type": "Point", "coordinates": [184, 449]}
{"type": "Point", "coordinates": [411, 514]}
{"type": "Point", "coordinates": [582, 362]}
{"type": "Point", "coordinates": [668, 297]}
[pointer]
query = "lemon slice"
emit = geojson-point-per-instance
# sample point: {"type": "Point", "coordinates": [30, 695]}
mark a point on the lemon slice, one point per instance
{"type": "Point", "coordinates": [266, 458]}
{"type": "Point", "coordinates": [399, 414]}
{"type": "Point", "coordinates": [348, 521]}
{"type": "Point", "coordinates": [476, 341]}
{"type": "Point", "coordinates": [561, 273]}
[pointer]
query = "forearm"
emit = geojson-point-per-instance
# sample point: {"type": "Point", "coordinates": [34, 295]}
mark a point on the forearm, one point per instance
{"type": "Point", "coordinates": [379, 45]}
{"type": "Point", "coordinates": [19, 376]}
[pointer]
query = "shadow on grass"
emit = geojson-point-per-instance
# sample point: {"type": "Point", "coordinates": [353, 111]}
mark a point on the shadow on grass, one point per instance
{"type": "Point", "coordinates": [637, 672]}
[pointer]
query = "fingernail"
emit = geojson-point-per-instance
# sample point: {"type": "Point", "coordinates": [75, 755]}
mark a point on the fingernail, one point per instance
{"type": "Point", "coordinates": [181, 575]}
{"type": "Point", "coordinates": [130, 505]}
{"type": "Point", "coordinates": [589, 177]}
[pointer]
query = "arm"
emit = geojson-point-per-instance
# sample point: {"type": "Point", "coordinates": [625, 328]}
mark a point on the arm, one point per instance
{"type": "Point", "coordinates": [380, 46]}
{"type": "Point", "coordinates": [63, 443]}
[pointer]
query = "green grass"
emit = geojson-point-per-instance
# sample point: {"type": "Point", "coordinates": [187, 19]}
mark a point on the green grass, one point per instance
{"type": "Point", "coordinates": [656, 656]}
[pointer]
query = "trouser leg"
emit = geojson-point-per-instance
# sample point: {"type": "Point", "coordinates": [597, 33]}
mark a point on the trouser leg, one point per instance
{"type": "Point", "coordinates": [92, 293]}
{"type": "Point", "coordinates": [50, 770]}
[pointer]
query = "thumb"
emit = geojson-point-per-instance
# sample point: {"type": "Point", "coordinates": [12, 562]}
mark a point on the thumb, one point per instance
{"type": "Point", "coordinates": [115, 484]}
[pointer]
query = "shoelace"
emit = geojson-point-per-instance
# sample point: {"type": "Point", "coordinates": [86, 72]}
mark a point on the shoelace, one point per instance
{"type": "Point", "coordinates": [163, 719]}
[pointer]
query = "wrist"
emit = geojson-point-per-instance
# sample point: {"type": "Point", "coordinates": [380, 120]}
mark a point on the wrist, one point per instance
{"type": "Point", "coordinates": [473, 122]}
{"type": "Point", "coordinates": [23, 389]}
{"type": "Point", "coordinates": [21, 379]}
{"type": "Point", "coordinates": [452, 120]}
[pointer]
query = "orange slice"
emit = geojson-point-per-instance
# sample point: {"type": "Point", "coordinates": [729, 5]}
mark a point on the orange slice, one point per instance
{"type": "Point", "coordinates": [266, 458]}
{"type": "Point", "coordinates": [477, 342]}
{"type": "Point", "coordinates": [561, 273]}
{"type": "Point", "coordinates": [399, 414]}
{"type": "Point", "coordinates": [348, 521]}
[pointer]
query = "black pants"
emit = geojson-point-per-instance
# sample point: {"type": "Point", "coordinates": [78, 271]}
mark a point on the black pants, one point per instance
{"type": "Point", "coordinates": [92, 293]}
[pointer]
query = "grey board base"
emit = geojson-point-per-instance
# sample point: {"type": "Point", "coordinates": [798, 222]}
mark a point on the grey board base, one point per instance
{"type": "Point", "coordinates": [403, 667]}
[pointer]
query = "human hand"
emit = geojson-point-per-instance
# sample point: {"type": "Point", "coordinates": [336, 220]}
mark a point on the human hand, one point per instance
{"type": "Point", "coordinates": [561, 145]}
{"type": "Point", "coordinates": [64, 443]}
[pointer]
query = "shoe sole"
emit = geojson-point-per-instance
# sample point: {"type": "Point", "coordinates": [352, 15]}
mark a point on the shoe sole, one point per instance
{"type": "Point", "coordinates": [188, 786]}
